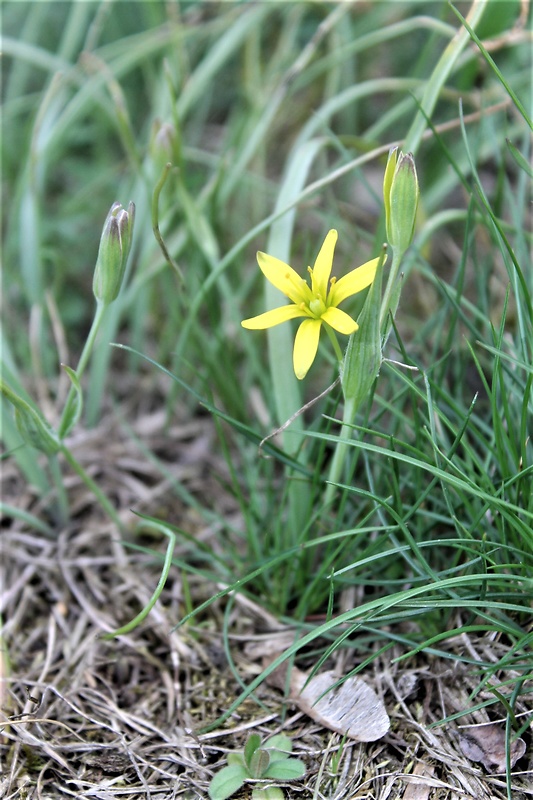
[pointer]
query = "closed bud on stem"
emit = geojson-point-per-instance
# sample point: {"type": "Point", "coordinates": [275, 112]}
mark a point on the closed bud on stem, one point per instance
{"type": "Point", "coordinates": [115, 245]}
{"type": "Point", "coordinates": [32, 427]}
{"type": "Point", "coordinates": [165, 145]}
{"type": "Point", "coordinates": [400, 194]}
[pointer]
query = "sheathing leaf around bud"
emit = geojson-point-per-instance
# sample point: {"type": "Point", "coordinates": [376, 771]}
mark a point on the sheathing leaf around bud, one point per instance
{"type": "Point", "coordinates": [362, 360]}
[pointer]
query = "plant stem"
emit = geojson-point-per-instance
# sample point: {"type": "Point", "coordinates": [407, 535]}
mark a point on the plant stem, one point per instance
{"type": "Point", "coordinates": [341, 450]}
{"type": "Point", "coordinates": [62, 499]}
{"type": "Point", "coordinates": [82, 363]}
{"type": "Point", "coordinates": [389, 304]}
{"type": "Point", "coordinates": [335, 342]}
{"type": "Point", "coordinates": [391, 294]}
{"type": "Point", "coordinates": [94, 488]}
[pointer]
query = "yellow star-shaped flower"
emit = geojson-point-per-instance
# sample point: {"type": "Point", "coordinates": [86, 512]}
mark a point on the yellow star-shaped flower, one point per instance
{"type": "Point", "coordinates": [318, 303]}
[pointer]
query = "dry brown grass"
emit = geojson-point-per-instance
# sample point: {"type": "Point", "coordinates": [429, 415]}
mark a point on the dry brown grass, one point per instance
{"type": "Point", "coordinates": [88, 718]}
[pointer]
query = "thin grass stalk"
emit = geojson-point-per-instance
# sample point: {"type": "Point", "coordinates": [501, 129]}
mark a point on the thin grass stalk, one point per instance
{"type": "Point", "coordinates": [132, 624]}
{"type": "Point", "coordinates": [101, 497]}
{"type": "Point", "coordinates": [439, 76]}
{"type": "Point", "coordinates": [61, 494]}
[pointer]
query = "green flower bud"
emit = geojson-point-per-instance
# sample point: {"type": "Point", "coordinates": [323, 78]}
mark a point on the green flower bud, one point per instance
{"type": "Point", "coordinates": [115, 244]}
{"type": "Point", "coordinates": [164, 145]}
{"type": "Point", "coordinates": [32, 427]}
{"type": "Point", "coordinates": [400, 194]}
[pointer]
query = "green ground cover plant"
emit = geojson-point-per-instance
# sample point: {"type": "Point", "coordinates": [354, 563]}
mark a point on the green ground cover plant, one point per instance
{"type": "Point", "coordinates": [260, 763]}
{"type": "Point", "coordinates": [376, 452]}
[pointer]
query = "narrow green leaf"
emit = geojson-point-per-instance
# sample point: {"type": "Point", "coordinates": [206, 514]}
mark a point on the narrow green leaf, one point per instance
{"type": "Point", "coordinates": [519, 158]}
{"type": "Point", "coordinates": [75, 408]}
{"type": "Point", "coordinates": [505, 83]}
{"type": "Point", "coordinates": [157, 526]}
{"type": "Point", "coordinates": [439, 76]}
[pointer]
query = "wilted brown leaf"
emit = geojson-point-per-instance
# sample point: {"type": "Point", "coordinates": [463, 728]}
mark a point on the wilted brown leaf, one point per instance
{"type": "Point", "coordinates": [486, 744]}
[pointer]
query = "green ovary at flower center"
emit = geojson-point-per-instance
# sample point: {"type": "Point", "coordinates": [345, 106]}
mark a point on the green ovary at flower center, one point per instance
{"type": "Point", "coordinates": [317, 307]}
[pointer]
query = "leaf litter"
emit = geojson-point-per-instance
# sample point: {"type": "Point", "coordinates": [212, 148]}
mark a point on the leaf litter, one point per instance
{"type": "Point", "coordinates": [87, 718]}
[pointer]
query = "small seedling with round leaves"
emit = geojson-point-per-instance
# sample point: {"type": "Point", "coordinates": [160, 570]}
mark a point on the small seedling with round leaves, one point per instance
{"type": "Point", "coordinates": [260, 763]}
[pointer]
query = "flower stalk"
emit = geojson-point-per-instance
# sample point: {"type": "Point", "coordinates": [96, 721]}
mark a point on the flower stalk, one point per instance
{"type": "Point", "coordinates": [363, 358]}
{"type": "Point", "coordinates": [113, 252]}
{"type": "Point", "coordinates": [115, 245]}
{"type": "Point", "coordinates": [318, 303]}
{"type": "Point", "coordinates": [359, 369]}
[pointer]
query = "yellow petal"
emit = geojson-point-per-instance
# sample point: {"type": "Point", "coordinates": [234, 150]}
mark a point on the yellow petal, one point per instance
{"type": "Point", "coordinates": [353, 282]}
{"type": "Point", "coordinates": [284, 278]}
{"type": "Point", "coordinates": [305, 346]}
{"type": "Point", "coordinates": [274, 317]}
{"type": "Point", "coordinates": [340, 320]}
{"type": "Point", "coordinates": [323, 264]}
